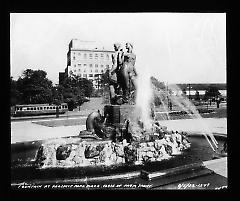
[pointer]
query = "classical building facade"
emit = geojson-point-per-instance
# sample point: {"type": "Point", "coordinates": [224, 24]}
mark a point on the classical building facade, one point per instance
{"type": "Point", "coordinates": [87, 60]}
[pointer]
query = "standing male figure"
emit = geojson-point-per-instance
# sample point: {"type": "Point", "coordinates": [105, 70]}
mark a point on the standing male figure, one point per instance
{"type": "Point", "coordinates": [114, 73]}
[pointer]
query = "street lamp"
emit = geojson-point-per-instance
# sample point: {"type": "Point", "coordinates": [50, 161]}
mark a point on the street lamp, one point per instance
{"type": "Point", "coordinates": [189, 87]}
{"type": "Point", "coordinates": [57, 104]}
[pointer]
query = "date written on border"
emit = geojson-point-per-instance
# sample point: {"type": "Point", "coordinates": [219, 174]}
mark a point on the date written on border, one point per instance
{"type": "Point", "coordinates": [192, 185]}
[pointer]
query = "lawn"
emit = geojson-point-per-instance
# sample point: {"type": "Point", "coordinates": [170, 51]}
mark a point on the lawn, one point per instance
{"type": "Point", "coordinates": [217, 113]}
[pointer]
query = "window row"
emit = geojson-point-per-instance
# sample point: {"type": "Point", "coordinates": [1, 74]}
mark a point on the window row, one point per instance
{"type": "Point", "coordinates": [91, 55]}
{"type": "Point", "coordinates": [96, 71]}
{"type": "Point", "coordinates": [91, 65]}
{"type": "Point", "coordinates": [89, 75]}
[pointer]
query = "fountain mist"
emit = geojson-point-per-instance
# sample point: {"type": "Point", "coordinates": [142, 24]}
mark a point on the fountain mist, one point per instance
{"type": "Point", "coordinates": [144, 97]}
{"type": "Point", "coordinates": [184, 104]}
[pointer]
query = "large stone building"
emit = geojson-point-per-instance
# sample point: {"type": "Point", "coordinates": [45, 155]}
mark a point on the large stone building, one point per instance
{"type": "Point", "coordinates": [86, 59]}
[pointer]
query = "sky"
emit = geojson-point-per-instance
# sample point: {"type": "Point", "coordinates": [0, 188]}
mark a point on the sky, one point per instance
{"type": "Point", "coordinates": [173, 47]}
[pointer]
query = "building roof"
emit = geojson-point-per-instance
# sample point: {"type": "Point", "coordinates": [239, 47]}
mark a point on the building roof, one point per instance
{"type": "Point", "coordinates": [76, 44]}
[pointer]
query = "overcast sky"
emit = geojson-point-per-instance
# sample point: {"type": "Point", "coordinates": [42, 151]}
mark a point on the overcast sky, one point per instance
{"type": "Point", "coordinates": [173, 47]}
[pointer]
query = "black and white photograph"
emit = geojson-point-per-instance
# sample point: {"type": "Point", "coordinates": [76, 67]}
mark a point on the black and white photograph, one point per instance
{"type": "Point", "coordinates": [118, 101]}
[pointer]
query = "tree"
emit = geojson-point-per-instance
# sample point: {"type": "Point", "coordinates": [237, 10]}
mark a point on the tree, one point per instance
{"type": "Point", "coordinates": [197, 96]}
{"type": "Point", "coordinates": [211, 92]}
{"type": "Point", "coordinates": [157, 83]}
{"type": "Point", "coordinates": [75, 89]}
{"type": "Point", "coordinates": [184, 92]}
{"type": "Point", "coordinates": [73, 82]}
{"type": "Point", "coordinates": [35, 87]}
{"type": "Point", "coordinates": [16, 96]}
{"type": "Point", "coordinates": [86, 85]}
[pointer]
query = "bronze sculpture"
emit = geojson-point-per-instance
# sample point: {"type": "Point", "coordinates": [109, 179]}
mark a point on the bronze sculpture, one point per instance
{"type": "Point", "coordinates": [122, 75]}
{"type": "Point", "coordinates": [114, 73]}
{"type": "Point", "coordinates": [128, 73]}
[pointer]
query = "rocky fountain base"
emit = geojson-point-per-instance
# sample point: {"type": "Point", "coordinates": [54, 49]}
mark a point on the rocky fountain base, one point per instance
{"type": "Point", "coordinates": [114, 146]}
{"type": "Point", "coordinates": [121, 140]}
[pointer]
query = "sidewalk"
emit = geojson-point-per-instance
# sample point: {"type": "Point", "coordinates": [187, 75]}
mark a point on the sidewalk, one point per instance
{"type": "Point", "coordinates": [213, 125]}
{"type": "Point", "coordinates": [28, 131]}
{"type": "Point", "coordinates": [219, 166]}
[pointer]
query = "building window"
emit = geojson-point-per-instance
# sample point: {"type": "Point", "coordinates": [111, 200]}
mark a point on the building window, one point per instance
{"type": "Point", "coordinates": [73, 58]}
{"type": "Point", "coordinates": [90, 56]}
{"type": "Point", "coordinates": [107, 66]}
{"type": "Point", "coordinates": [79, 70]}
{"type": "Point", "coordinates": [84, 71]}
{"type": "Point", "coordinates": [96, 56]}
{"type": "Point", "coordinates": [79, 65]}
{"type": "Point", "coordinates": [90, 75]}
{"type": "Point", "coordinates": [96, 71]}
{"type": "Point", "coordinates": [101, 66]}
{"type": "Point", "coordinates": [74, 65]}
{"type": "Point", "coordinates": [80, 75]}
{"type": "Point", "coordinates": [102, 71]}
{"type": "Point", "coordinates": [107, 56]}
{"type": "Point", "coordinates": [85, 55]}
{"type": "Point", "coordinates": [96, 65]}
{"type": "Point", "coordinates": [74, 71]}
{"type": "Point", "coordinates": [84, 64]}
{"type": "Point", "coordinates": [101, 55]}
{"type": "Point", "coordinates": [79, 54]}
{"type": "Point", "coordinates": [85, 75]}
{"type": "Point", "coordinates": [90, 65]}
{"type": "Point", "coordinates": [91, 71]}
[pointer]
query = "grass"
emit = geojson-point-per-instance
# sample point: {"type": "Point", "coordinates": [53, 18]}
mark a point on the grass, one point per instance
{"type": "Point", "coordinates": [62, 122]}
{"type": "Point", "coordinates": [218, 113]}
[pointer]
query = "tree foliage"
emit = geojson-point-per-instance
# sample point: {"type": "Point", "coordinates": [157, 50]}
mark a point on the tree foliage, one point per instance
{"type": "Point", "coordinates": [211, 92]}
{"type": "Point", "coordinates": [157, 83]}
{"type": "Point", "coordinates": [197, 95]}
{"type": "Point", "coordinates": [75, 89]}
{"type": "Point", "coordinates": [159, 96]}
{"type": "Point", "coordinates": [15, 95]}
{"type": "Point", "coordinates": [34, 87]}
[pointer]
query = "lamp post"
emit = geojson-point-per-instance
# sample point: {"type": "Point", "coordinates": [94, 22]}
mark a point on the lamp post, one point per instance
{"type": "Point", "coordinates": [57, 104]}
{"type": "Point", "coordinates": [189, 87]}
{"type": "Point", "coordinates": [189, 91]}
{"type": "Point", "coordinates": [167, 95]}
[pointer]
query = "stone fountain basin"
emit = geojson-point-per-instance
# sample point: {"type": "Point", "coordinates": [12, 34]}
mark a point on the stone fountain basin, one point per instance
{"type": "Point", "coordinates": [24, 170]}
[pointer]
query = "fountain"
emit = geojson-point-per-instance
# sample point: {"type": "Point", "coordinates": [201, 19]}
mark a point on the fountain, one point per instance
{"type": "Point", "coordinates": [125, 136]}
{"type": "Point", "coordinates": [126, 133]}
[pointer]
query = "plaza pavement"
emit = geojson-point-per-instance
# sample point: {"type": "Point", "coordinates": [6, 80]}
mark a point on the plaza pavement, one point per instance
{"type": "Point", "coordinates": [212, 125]}
{"type": "Point", "coordinates": [28, 131]}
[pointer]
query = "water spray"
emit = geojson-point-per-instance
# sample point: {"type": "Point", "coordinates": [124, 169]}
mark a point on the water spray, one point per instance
{"type": "Point", "coordinates": [190, 109]}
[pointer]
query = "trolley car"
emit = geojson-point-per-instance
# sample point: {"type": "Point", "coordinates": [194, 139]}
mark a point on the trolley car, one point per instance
{"type": "Point", "coordinates": [39, 109]}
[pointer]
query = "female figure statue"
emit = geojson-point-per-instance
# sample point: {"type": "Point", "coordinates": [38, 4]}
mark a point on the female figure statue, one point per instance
{"type": "Point", "coordinates": [127, 73]}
